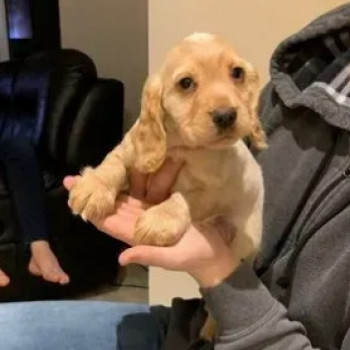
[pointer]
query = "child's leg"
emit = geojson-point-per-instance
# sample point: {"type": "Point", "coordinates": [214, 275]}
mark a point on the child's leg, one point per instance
{"type": "Point", "coordinates": [25, 182]}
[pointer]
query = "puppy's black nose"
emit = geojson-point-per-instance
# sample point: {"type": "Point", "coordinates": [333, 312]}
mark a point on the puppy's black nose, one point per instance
{"type": "Point", "coordinates": [224, 117]}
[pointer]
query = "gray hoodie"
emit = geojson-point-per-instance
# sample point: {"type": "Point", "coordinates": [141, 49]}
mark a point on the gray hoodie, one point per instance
{"type": "Point", "coordinates": [298, 295]}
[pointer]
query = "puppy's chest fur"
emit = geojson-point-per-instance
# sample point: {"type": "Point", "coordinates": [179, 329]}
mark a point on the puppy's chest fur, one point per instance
{"type": "Point", "coordinates": [218, 182]}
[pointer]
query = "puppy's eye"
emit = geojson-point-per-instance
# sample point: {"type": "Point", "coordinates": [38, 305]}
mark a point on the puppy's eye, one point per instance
{"type": "Point", "coordinates": [237, 73]}
{"type": "Point", "coordinates": [186, 83]}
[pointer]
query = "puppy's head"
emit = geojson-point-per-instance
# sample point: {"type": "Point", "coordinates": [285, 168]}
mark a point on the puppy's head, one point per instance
{"type": "Point", "coordinates": [205, 95]}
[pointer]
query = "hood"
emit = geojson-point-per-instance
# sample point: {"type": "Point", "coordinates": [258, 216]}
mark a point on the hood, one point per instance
{"type": "Point", "coordinates": [312, 68]}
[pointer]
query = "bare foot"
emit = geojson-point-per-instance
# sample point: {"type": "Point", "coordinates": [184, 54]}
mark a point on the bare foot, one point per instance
{"type": "Point", "coordinates": [4, 280]}
{"type": "Point", "coordinates": [44, 263]}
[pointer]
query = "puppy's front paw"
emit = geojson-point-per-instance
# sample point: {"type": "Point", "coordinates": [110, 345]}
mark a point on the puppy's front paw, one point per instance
{"type": "Point", "coordinates": [90, 198]}
{"type": "Point", "coordinates": [157, 226]}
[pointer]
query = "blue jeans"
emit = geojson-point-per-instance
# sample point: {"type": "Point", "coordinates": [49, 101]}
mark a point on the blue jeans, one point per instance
{"type": "Point", "coordinates": [63, 325]}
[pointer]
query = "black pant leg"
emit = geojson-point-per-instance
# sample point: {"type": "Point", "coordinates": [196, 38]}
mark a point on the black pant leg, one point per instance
{"type": "Point", "coordinates": [25, 182]}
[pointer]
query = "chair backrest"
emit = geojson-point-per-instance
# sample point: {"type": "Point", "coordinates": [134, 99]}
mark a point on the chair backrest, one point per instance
{"type": "Point", "coordinates": [56, 99]}
{"type": "Point", "coordinates": [40, 97]}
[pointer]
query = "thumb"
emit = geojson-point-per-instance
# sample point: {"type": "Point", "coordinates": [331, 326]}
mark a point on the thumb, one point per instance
{"type": "Point", "coordinates": [149, 255]}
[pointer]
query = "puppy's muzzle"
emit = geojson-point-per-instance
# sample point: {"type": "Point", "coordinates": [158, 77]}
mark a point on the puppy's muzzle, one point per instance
{"type": "Point", "coordinates": [224, 118]}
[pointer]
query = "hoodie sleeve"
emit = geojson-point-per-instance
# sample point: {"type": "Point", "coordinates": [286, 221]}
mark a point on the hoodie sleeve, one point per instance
{"type": "Point", "coordinates": [250, 318]}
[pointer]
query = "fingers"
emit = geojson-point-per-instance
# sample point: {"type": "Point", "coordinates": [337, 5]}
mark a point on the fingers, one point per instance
{"type": "Point", "coordinates": [137, 182]}
{"type": "Point", "coordinates": [160, 183]}
{"type": "Point", "coordinates": [69, 181]}
{"type": "Point", "coordinates": [156, 187]}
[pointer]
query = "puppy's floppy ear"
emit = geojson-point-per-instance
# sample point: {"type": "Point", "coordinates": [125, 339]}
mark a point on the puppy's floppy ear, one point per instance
{"type": "Point", "coordinates": [257, 135]}
{"type": "Point", "coordinates": [148, 136]}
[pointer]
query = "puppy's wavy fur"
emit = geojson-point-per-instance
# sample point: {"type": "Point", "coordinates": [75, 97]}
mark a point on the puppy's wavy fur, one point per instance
{"type": "Point", "coordinates": [220, 179]}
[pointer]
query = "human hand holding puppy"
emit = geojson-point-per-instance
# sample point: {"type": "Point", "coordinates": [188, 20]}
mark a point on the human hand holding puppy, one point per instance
{"type": "Point", "coordinates": [201, 253]}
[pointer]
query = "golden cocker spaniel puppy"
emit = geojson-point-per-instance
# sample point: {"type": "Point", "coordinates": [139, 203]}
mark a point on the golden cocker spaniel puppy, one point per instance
{"type": "Point", "coordinates": [199, 107]}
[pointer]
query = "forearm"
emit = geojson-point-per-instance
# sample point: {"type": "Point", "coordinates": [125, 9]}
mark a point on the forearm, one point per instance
{"type": "Point", "coordinates": [250, 318]}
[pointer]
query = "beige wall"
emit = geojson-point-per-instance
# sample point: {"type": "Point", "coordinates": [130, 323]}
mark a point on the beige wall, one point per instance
{"type": "Point", "coordinates": [255, 27]}
{"type": "Point", "coordinates": [114, 34]}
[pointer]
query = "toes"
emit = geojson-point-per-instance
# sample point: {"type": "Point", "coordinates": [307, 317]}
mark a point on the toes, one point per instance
{"type": "Point", "coordinates": [4, 279]}
{"type": "Point", "coordinates": [34, 268]}
{"type": "Point", "coordinates": [59, 275]}
{"type": "Point", "coordinates": [55, 274]}
{"type": "Point", "coordinates": [44, 263]}
{"type": "Point", "coordinates": [51, 276]}
{"type": "Point", "coordinates": [64, 279]}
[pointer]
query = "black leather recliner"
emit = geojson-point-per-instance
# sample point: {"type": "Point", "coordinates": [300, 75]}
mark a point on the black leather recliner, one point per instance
{"type": "Point", "coordinates": [56, 99]}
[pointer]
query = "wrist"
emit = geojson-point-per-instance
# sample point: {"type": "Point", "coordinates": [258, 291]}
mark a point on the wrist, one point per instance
{"type": "Point", "coordinates": [215, 273]}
